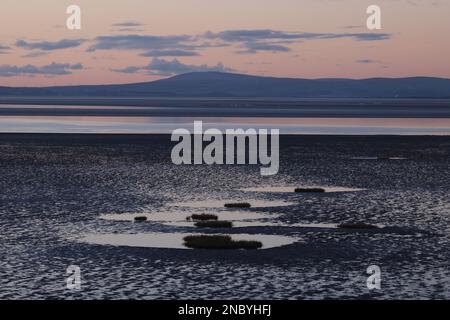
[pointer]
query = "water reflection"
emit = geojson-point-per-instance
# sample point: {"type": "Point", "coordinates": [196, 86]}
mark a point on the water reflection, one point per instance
{"type": "Point", "coordinates": [175, 240]}
{"type": "Point", "coordinates": [208, 203]}
{"type": "Point", "coordinates": [291, 189]}
{"type": "Point", "coordinates": [117, 124]}
{"type": "Point", "coordinates": [181, 216]}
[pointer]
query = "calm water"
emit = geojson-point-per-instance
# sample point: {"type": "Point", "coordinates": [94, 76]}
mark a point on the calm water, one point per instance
{"type": "Point", "coordinates": [118, 119]}
{"type": "Point", "coordinates": [344, 126]}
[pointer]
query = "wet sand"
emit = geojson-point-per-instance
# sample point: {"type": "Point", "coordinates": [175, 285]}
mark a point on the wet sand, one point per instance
{"type": "Point", "coordinates": [57, 188]}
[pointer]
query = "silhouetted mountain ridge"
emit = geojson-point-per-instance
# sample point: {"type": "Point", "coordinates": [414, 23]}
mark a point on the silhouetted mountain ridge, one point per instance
{"type": "Point", "coordinates": [217, 84]}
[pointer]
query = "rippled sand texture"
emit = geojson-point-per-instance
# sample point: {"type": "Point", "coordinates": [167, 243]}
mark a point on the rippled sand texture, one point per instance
{"type": "Point", "coordinates": [55, 191]}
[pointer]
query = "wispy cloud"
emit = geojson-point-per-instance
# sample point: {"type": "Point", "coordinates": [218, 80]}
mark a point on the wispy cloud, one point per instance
{"type": "Point", "coordinates": [349, 27]}
{"type": "Point", "coordinates": [128, 24]}
{"type": "Point", "coordinates": [49, 45]}
{"type": "Point", "coordinates": [252, 41]}
{"type": "Point", "coordinates": [361, 36]}
{"type": "Point", "coordinates": [366, 61]}
{"type": "Point", "coordinates": [268, 34]}
{"type": "Point", "coordinates": [128, 70]}
{"type": "Point", "coordinates": [134, 30]}
{"type": "Point", "coordinates": [163, 67]}
{"type": "Point", "coordinates": [35, 54]}
{"type": "Point", "coordinates": [170, 53]}
{"type": "Point", "coordinates": [53, 69]}
{"type": "Point", "coordinates": [254, 47]}
{"type": "Point", "coordinates": [4, 49]}
{"type": "Point", "coordinates": [140, 42]}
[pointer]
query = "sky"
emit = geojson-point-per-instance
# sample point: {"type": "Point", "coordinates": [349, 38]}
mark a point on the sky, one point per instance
{"type": "Point", "coordinates": [144, 40]}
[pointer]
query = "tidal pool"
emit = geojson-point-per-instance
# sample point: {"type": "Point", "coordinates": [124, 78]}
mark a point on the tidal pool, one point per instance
{"type": "Point", "coordinates": [175, 240]}
{"type": "Point", "coordinates": [245, 224]}
{"type": "Point", "coordinates": [181, 216]}
{"type": "Point", "coordinates": [291, 189]}
{"type": "Point", "coordinates": [236, 224]}
{"type": "Point", "coordinates": [221, 204]}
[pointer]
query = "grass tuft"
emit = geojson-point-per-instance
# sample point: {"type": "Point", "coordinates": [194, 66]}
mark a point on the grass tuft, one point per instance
{"type": "Point", "coordinates": [219, 242]}
{"type": "Point", "coordinates": [310, 190]}
{"type": "Point", "coordinates": [238, 205]}
{"type": "Point", "coordinates": [203, 217]}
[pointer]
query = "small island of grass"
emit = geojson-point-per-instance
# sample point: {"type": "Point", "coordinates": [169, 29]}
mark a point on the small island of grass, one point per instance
{"type": "Point", "coordinates": [214, 224]}
{"type": "Point", "coordinates": [202, 217]}
{"type": "Point", "coordinates": [219, 242]}
{"type": "Point", "coordinates": [309, 190]}
{"type": "Point", "coordinates": [238, 205]}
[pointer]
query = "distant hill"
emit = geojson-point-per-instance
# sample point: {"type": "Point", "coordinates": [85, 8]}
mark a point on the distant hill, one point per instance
{"type": "Point", "coordinates": [216, 84]}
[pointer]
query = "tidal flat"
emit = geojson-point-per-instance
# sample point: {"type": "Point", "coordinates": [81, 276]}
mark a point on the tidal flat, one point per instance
{"type": "Point", "coordinates": [57, 188]}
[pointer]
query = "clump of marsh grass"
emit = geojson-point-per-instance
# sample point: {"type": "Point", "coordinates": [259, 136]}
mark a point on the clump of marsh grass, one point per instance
{"type": "Point", "coordinates": [140, 218]}
{"type": "Point", "coordinates": [214, 224]}
{"type": "Point", "coordinates": [202, 217]}
{"type": "Point", "coordinates": [238, 205]}
{"type": "Point", "coordinates": [219, 242]}
{"type": "Point", "coordinates": [358, 225]}
{"type": "Point", "coordinates": [310, 190]}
